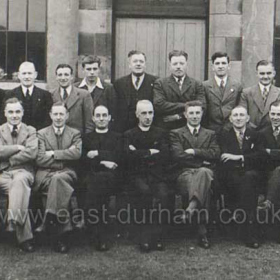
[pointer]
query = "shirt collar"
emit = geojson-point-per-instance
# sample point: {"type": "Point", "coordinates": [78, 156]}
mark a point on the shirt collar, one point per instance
{"type": "Point", "coordinates": [191, 128]}
{"type": "Point", "coordinates": [56, 128]}
{"type": "Point", "coordinates": [237, 132]}
{"type": "Point", "coordinates": [24, 89]}
{"type": "Point", "coordinates": [218, 80]}
{"type": "Point", "coordinates": [68, 89]}
{"type": "Point", "coordinates": [11, 127]}
{"type": "Point", "coordinates": [98, 83]}
{"type": "Point", "coordinates": [182, 79]}
{"type": "Point", "coordinates": [101, 130]}
{"type": "Point", "coordinates": [262, 87]}
{"type": "Point", "coordinates": [134, 78]}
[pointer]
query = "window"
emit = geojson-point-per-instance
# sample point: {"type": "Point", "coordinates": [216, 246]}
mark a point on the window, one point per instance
{"type": "Point", "coordinates": [277, 43]}
{"type": "Point", "coordinates": [23, 35]}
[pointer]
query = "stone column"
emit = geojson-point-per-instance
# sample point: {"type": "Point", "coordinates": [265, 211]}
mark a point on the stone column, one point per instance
{"type": "Point", "coordinates": [62, 35]}
{"type": "Point", "coordinates": [257, 31]}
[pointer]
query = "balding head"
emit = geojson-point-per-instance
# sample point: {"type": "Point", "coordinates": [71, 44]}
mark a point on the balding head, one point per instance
{"type": "Point", "coordinates": [27, 74]}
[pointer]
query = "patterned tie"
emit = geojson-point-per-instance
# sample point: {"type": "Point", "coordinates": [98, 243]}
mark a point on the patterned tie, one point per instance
{"type": "Point", "coordinates": [195, 132]}
{"type": "Point", "coordinates": [265, 94]}
{"type": "Point", "coordinates": [59, 138]}
{"type": "Point", "coordinates": [240, 137]}
{"type": "Point", "coordinates": [14, 131]}
{"type": "Point", "coordinates": [276, 132]}
{"type": "Point", "coordinates": [222, 86]}
{"type": "Point", "coordinates": [137, 83]}
{"type": "Point", "coordinates": [65, 94]}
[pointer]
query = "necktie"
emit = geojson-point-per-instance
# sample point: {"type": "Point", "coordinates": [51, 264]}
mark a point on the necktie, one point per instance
{"type": "Point", "coordinates": [265, 93]}
{"type": "Point", "coordinates": [65, 94]}
{"type": "Point", "coordinates": [179, 81]}
{"type": "Point", "coordinates": [137, 82]}
{"type": "Point", "coordinates": [195, 132]}
{"type": "Point", "coordinates": [14, 131]}
{"type": "Point", "coordinates": [276, 132]}
{"type": "Point", "coordinates": [222, 84]}
{"type": "Point", "coordinates": [240, 137]}
{"type": "Point", "coordinates": [59, 138]}
{"type": "Point", "coordinates": [27, 95]}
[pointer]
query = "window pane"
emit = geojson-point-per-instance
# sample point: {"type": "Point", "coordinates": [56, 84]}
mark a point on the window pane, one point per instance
{"type": "Point", "coordinates": [37, 15]}
{"type": "Point", "coordinates": [36, 52]}
{"type": "Point", "coordinates": [17, 15]}
{"type": "Point", "coordinates": [3, 15]}
{"type": "Point", "coordinates": [16, 51]}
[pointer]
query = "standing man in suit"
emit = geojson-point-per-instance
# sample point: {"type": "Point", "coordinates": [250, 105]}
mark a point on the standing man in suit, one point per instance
{"type": "Point", "coordinates": [78, 101]}
{"type": "Point", "coordinates": [59, 146]}
{"type": "Point", "coordinates": [18, 150]}
{"type": "Point", "coordinates": [239, 172]}
{"type": "Point", "coordinates": [138, 85]}
{"type": "Point", "coordinates": [171, 93]}
{"type": "Point", "coordinates": [257, 99]}
{"type": "Point", "coordinates": [147, 151]}
{"type": "Point", "coordinates": [102, 150]}
{"type": "Point", "coordinates": [195, 149]}
{"type": "Point", "coordinates": [102, 93]}
{"type": "Point", "coordinates": [222, 93]}
{"type": "Point", "coordinates": [36, 101]}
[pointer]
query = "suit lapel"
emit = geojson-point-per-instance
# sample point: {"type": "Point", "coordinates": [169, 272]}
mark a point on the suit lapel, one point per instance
{"type": "Point", "coordinates": [174, 86]}
{"type": "Point", "coordinates": [189, 137]}
{"type": "Point", "coordinates": [22, 134]}
{"type": "Point", "coordinates": [6, 134]}
{"type": "Point", "coordinates": [228, 89]}
{"type": "Point", "coordinates": [186, 85]}
{"type": "Point", "coordinates": [66, 137]}
{"type": "Point", "coordinates": [36, 98]}
{"type": "Point", "coordinates": [73, 98]}
{"type": "Point", "coordinates": [257, 97]}
{"type": "Point", "coordinates": [56, 96]}
{"type": "Point", "coordinates": [215, 90]}
{"type": "Point", "coordinates": [51, 138]}
{"type": "Point", "coordinates": [202, 136]}
{"type": "Point", "coordinates": [272, 96]}
{"type": "Point", "coordinates": [96, 94]}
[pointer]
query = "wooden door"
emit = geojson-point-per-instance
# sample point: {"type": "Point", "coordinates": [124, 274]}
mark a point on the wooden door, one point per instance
{"type": "Point", "coordinates": [156, 38]}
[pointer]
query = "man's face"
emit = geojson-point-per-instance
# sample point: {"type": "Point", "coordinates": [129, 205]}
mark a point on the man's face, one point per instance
{"type": "Point", "coordinates": [239, 117]}
{"type": "Point", "coordinates": [59, 116]}
{"type": "Point", "coordinates": [137, 64]}
{"type": "Point", "coordinates": [194, 115]}
{"type": "Point", "coordinates": [221, 67]}
{"type": "Point", "coordinates": [2, 74]}
{"type": "Point", "coordinates": [274, 115]}
{"type": "Point", "coordinates": [27, 74]}
{"type": "Point", "coordinates": [91, 71]}
{"type": "Point", "coordinates": [178, 66]}
{"type": "Point", "coordinates": [101, 117]}
{"type": "Point", "coordinates": [145, 115]}
{"type": "Point", "coordinates": [64, 77]}
{"type": "Point", "coordinates": [14, 113]}
{"type": "Point", "coordinates": [266, 74]}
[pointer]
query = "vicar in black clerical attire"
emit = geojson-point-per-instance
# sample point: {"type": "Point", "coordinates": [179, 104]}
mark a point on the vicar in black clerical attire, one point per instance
{"type": "Point", "coordinates": [101, 151]}
{"type": "Point", "coordinates": [147, 150]}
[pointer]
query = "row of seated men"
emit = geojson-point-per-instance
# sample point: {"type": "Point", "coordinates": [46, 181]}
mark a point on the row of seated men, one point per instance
{"type": "Point", "coordinates": [143, 154]}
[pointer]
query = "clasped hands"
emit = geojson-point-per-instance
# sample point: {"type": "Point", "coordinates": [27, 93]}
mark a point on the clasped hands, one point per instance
{"type": "Point", "coordinates": [226, 157]}
{"type": "Point", "coordinates": [152, 151]}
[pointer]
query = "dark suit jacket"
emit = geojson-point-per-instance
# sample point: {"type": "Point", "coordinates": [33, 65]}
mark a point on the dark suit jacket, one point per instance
{"type": "Point", "coordinates": [63, 158]}
{"type": "Point", "coordinates": [2, 97]}
{"type": "Point", "coordinates": [251, 98]}
{"type": "Point", "coordinates": [105, 97]}
{"type": "Point", "coordinates": [169, 100]}
{"type": "Point", "coordinates": [141, 162]}
{"type": "Point", "coordinates": [10, 156]}
{"type": "Point", "coordinates": [127, 98]}
{"type": "Point", "coordinates": [41, 106]}
{"type": "Point", "coordinates": [205, 146]}
{"type": "Point", "coordinates": [80, 107]}
{"type": "Point", "coordinates": [219, 105]}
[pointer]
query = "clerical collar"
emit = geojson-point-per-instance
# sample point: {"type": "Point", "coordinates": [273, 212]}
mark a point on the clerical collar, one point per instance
{"type": "Point", "coordinates": [262, 87]}
{"type": "Point", "coordinates": [218, 80]}
{"type": "Point", "coordinates": [147, 128]}
{"type": "Point", "coordinates": [191, 128]}
{"type": "Point", "coordinates": [24, 89]}
{"type": "Point", "coordinates": [181, 79]}
{"type": "Point", "coordinates": [56, 129]}
{"type": "Point", "coordinates": [101, 130]}
{"type": "Point", "coordinates": [98, 84]}
{"type": "Point", "coordinates": [12, 126]}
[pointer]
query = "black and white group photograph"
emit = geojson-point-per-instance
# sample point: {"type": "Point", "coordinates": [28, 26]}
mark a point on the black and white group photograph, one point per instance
{"type": "Point", "coordinates": [139, 139]}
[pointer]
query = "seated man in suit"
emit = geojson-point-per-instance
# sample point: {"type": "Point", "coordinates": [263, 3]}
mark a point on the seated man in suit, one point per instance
{"type": "Point", "coordinates": [147, 151]}
{"type": "Point", "coordinates": [222, 93]}
{"type": "Point", "coordinates": [59, 147]}
{"type": "Point", "coordinates": [101, 149]}
{"type": "Point", "coordinates": [102, 93]}
{"type": "Point", "coordinates": [18, 149]}
{"type": "Point", "coordinates": [172, 93]}
{"type": "Point", "coordinates": [36, 101]}
{"type": "Point", "coordinates": [78, 101]}
{"type": "Point", "coordinates": [194, 148]}
{"type": "Point", "coordinates": [138, 85]}
{"type": "Point", "coordinates": [257, 99]}
{"type": "Point", "coordinates": [238, 172]}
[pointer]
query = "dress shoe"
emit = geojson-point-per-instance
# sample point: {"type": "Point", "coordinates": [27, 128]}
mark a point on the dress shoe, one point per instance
{"type": "Point", "coordinates": [203, 242]}
{"type": "Point", "coordinates": [102, 247]}
{"type": "Point", "coordinates": [145, 247]}
{"type": "Point", "coordinates": [27, 246]}
{"type": "Point", "coordinates": [60, 247]}
{"type": "Point", "coordinates": [159, 246]}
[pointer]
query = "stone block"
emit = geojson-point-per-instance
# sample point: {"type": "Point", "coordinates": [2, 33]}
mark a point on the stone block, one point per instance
{"type": "Point", "coordinates": [225, 25]}
{"type": "Point", "coordinates": [86, 43]}
{"type": "Point", "coordinates": [103, 44]}
{"type": "Point", "coordinates": [234, 48]}
{"type": "Point", "coordinates": [103, 4]}
{"type": "Point", "coordinates": [87, 4]}
{"type": "Point", "coordinates": [216, 44]}
{"type": "Point", "coordinates": [236, 70]}
{"type": "Point", "coordinates": [218, 6]}
{"type": "Point", "coordinates": [234, 7]}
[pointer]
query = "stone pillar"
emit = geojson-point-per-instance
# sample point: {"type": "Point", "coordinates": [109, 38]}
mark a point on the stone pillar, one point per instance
{"type": "Point", "coordinates": [62, 36]}
{"type": "Point", "coordinates": [257, 30]}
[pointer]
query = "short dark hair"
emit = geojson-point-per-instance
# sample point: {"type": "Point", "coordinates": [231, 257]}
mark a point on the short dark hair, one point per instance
{"type": "Point", "coordinates": [64, 65]}
{"type": "Point", "coordinates": [177, 53]}
{"type": "Point", "coordinates": [193, 103]}
{"type": "Point", "coordinates": [59, 103]}
{"type": "Point", "coordinates": [133, 52]}
{"type": "Point", "coordinates": [275, 104]}
{"type": "Point", "coordinates": [218, 55]}
{"type": "Point", "coordinates": [90, 59]}
{"type": "Point", "coordinates": [264, 63]}
{"type": "Point", "coordinates": [13, 100]}
{"type": "Point", "coordinates": [238, 106]}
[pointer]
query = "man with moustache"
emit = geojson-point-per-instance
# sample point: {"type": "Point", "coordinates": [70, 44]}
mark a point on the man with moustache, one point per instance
{"type": "Point", "coordinates": [222, 93]}
{"type": "Point", "coordinates": [138, 85]}
{"type": "Point", "coordinates": [172, 93]}
{"type": "Point", "coordinates": [257, 99]}
{"type": "Point", "coordinates": [36, 101]}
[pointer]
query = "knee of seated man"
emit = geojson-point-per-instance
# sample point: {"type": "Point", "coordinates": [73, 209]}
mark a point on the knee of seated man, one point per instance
{"type": "Point", "coordinates": [205, 170]}
{"type": "Point", "coordinates": [25, 177]}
